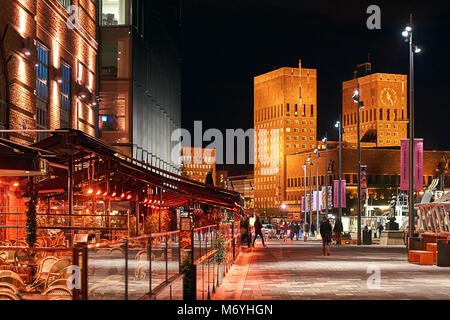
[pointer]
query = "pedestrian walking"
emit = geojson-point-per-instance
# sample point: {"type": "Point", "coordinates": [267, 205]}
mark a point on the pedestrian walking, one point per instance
{"type": "Point", "coordinates": [338, 229]}
{"type": "Point", "coordinates": [258, 228]}
{"type": "Point", "coordinates": [326, 233]}
{"type": "Point", "coordinates": [297, 230]}
{"type": "Point", "coordinates": [305, 231]}
{"type": "Point", "coordinates": [313, 229]}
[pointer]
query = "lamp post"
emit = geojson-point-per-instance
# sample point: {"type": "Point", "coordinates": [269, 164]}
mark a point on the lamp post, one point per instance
{"type": "Point", "coordinates": [304, 183]}
{"type": "Point", "coordinates": [316, 151]}
{"type": "Point", "coordinates": [408, 35]}
{"type": "Point", "coordinates": [338, 125]}
{"type": "Point", "coordinates": [310, 193]}
{"type": "Point", "coordinates": [325, 141]}
{"type": "Point", "coordinates": [360, 105]}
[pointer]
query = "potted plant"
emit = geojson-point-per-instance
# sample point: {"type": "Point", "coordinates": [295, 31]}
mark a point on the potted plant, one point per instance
{"type": "Point", "coordinates": [187, 270]}
{"type": "Point", "coordinates": [219, 257]}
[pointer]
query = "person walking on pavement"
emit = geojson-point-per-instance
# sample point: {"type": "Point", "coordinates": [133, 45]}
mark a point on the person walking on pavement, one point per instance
{"type": "Point", "coordinates": [326, 233]}
{"type": "Point", "coordinates": [338, 229]}
{"type": "Point", "coordinates": [313, 229]}
{"type": "Point", "coordinates": [258, 228]}
{"type": "Point", "coordinates": [297, 230]}
{"type": "Point", "coordinates": [305, 231]}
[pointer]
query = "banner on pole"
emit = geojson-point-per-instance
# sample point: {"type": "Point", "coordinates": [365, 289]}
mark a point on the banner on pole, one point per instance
{"type": "Point", "coordinates": [364, 183]}
{"type": "Point", "coordinates": [336, 193]}
{"type": "Point", "coordinates": [315, 198]}
{"type": "Point", "coordinates": [330, 198]}
{"type": "Point", "coordinates": [418, 164]}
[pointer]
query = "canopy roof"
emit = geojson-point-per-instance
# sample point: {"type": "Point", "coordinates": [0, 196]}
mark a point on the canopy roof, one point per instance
{"type": "Point", "coordinates": [66, 147]}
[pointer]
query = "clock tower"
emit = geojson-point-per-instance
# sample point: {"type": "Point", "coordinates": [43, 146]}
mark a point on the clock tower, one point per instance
{"type": "Point", "coordinates": [384, 118]}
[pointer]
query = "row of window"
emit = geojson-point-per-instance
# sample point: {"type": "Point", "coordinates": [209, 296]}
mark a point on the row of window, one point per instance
{"type": "Point", "coordinates": [42, 90]}
{"type": "Point", "coordinates": [277, 111]}
{"type": "Point", "coordinates": [370, 115]}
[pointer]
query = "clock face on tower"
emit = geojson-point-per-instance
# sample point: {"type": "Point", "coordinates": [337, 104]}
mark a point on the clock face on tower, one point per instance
{"type": "Point", "coordinates": [388, 97]}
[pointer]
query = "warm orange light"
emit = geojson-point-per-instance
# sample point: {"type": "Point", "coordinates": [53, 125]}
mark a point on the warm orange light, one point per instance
{"type": "Point", "coordinates": [122, 195]}
{"type": "Point", "coordinates": [129, 197]}
{"type": "Point", "coordinates": [15, 184]}
{"type": "Point", "coordinates": [113, 194]}
{"type": "Point", "coordinates": [105, 194]}
{"type": "Point", "coordinates": [98, 192]}
{"type": "Point", "coordinates": [90, 191]}
{"type": "Point", "coordinates": [145, 200]}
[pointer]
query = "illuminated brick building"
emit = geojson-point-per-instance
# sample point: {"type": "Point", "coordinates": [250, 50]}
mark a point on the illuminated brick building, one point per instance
{"type": "Point", "coordinates": [384, 118]}
{"type": "Point", "coordinates": [284, 100]}
{"type": "Point", "coordinates": [383, 173]}
{"type": "Point", "coordinates": [244, 185]}
{"type": "Point", "coordinates": [50, 68]}
{"type": "Point", "coordinates": [196, 163]}
{"type": "Point", "coordinates": [140, 78]}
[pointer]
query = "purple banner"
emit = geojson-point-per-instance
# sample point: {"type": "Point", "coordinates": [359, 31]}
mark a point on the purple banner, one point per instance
{"type": "Point", "coordinates": [418, 164]}
{"type": "Point", "coordinates": [336, 193]}
{"type": "Point", "coordinates": [303, 204]}
{"type": "Point", "coordinates": [314, 207]}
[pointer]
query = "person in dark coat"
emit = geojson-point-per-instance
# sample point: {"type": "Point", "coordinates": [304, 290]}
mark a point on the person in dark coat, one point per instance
{"type": "Point", "coordinates": [245, 231]}
{"type": "Point", "coordinates": [338, 229]}
{"type": "Point", "coordinates": [326, 233]}
{"type": "Point", "coordinates": [258, 231]}
{"type": "Point", "coordinates": [313, 229]}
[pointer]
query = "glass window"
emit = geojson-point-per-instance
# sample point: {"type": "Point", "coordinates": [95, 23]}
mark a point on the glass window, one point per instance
{"type": "Point", "coordinates": [41, 90]}
{"type": "Point", "coordinates": [114, 59]}
{"type": "Point", "coordinates": [65, 95]}
{"type": "Point", "coordinates": [42, 72]}
{"type": "Point", "coordinates": [66, 3]}
{"type": "Point", "coordinates": [116, 12]}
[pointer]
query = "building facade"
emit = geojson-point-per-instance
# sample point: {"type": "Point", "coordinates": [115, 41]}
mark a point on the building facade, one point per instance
{"type": "Point", "coordinates": [244, 185]}
{"type": "Point", "coordinates": [196, 163]}
{"type": "Point", "coordinates": [383, 174]}
{"type": "Point", "coordinates": [285, 122]}
{"type": "Point", "coordinates": [384, 118]}
{"type": "Point", "coordinates": [140, 78]}
{"type": "Point", "coordinates": [47, 67]}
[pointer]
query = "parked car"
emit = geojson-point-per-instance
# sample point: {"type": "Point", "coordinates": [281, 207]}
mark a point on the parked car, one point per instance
{"type": "Point", "coordinates": [269, 230]}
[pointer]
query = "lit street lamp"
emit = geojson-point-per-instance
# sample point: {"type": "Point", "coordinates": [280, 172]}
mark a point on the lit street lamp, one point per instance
{"type": "Point", "coordinates": [356, 99]}
{"type": "Point", "coordinates": [339, 127]}
{"type": "Point", "coordinates": [304, 183]}
{"type": "Point", "coordinates": [325, 141]}
{"type": "Point", "coordinates": [408, 35]}
{"type": "Point", "coordinates": [316, 151]}
{"type": "Point", "coordinates": [310, 193]}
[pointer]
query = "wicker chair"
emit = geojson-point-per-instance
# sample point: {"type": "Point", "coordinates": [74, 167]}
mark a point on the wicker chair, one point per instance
{"type": "Point", "coordinates": [43, 272]}
{"type": "Point", "coordinates": [5, 295]}
{"type": "Point", "coordinates": [22, 243]}
{"type": "Point", "coordinates": [40, 242]}
{"type": "Point", "coordinates": [13, 278]}
{"type": "Point", "coordinates": [5, 286]}
{"type": "Point", "coordinates": [57, 270]}
{"type": "Point", "coordinates": [61, 298]}
{"type": "Point", "coordinates": [60, 290]}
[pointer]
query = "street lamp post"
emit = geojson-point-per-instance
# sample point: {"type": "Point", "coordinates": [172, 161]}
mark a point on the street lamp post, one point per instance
{"type": "Point", "coordinates": [360, 105]}
{"type": "Point", "coordinates": [304, 182]}
{"type": "Point", "coordinates": [310, 193]}
{"type": "Point", "coordinates": [338, 125]}
{"type": "Point", "coordinates": [325, 141]}
{"type": "Point", "coordinates": [316, 151]}
{"type": "Point", "coordinates": [408, 35]}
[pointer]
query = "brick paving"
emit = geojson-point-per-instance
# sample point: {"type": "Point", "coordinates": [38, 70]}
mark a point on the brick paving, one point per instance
{"type": "Point", "coordinates": [297, 270]}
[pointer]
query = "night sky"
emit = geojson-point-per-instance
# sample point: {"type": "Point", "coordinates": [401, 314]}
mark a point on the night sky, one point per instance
{"type": "Point", "coordinates": [226, 43]}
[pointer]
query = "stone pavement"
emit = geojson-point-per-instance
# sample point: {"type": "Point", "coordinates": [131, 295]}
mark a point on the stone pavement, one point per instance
{"type": "Point", "coordinates": [297, 270]}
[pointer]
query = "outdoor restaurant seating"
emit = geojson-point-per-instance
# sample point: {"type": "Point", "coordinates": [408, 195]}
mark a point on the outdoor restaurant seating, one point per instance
{"type": "Point", "coordinates": [4, 295]}
{"type": "Point", "coordinates": [59, 290]}
{"type": "Point", "coordinates": [5, 286]}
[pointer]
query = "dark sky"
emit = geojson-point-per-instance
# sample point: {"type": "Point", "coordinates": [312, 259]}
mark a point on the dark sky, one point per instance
{"type": "Point", "coordinates": [226, 43]}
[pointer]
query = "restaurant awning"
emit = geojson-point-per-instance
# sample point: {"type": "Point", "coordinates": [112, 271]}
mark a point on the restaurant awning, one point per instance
{"type": "Point", "coordinates": [70, 146]}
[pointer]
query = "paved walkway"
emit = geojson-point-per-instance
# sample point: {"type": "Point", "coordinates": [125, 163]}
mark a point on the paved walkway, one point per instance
{"type": "Point", "coordinates": [297, 270]}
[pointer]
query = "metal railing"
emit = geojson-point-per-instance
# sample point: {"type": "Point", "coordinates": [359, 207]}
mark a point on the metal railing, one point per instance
{"type": "Point", "coordinates": [141, 268]}
{"type": "Point", "coordinates": [209, 274]}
